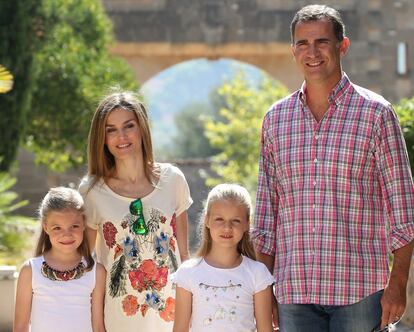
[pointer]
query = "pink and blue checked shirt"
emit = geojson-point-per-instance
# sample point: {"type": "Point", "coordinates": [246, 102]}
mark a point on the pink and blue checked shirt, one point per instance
{"type": "Point", "coordinates": [327, 191]}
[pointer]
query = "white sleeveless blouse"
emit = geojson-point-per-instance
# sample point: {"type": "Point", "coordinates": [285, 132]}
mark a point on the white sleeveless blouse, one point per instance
{"type": "Point", "coordinates": [63, 306]}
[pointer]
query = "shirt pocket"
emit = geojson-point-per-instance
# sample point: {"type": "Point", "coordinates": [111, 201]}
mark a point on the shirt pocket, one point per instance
{"type": "Point", "coordinates": [350, 159]}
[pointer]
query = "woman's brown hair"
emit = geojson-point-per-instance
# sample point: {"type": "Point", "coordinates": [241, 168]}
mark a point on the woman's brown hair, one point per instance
{"type": "Point", "coordinates": [101, 163]}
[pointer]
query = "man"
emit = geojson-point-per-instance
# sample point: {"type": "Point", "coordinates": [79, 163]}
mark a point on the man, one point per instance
{"type": "Point", "coordinates": [333, 174]}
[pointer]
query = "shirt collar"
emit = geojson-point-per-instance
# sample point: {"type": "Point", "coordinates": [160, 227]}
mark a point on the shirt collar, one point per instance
{"type": "Point", "coordinates": [336, 94]}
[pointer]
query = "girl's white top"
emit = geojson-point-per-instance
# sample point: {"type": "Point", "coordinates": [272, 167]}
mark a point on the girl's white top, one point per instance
{"type": "Point", "coordinates": [63, 306]}
{"type": "Point", "coordinates": [223, 298]}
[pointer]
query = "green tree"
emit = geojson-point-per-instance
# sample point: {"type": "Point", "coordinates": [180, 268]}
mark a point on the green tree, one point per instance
{"type": "Point", "coordinates": [405, 111]}
{"type": "Point", "coordinates": [18, 36]}
{"type": "Point", "coordinates": [74, 70]}
{"type": "Point", "coordinates": [15, 230]}
{"type": "Point", "coordinates": [190, 140]}
{"type": "Point", "coordinates": [237, 135]}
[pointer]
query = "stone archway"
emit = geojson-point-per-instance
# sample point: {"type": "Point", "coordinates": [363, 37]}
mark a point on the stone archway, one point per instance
{"type": "Point", "coordinates": [148, 59]}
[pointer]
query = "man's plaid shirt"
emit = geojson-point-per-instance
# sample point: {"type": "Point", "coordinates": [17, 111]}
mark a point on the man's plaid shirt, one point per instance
{"type": "Point", "coordinates": [327, 191]}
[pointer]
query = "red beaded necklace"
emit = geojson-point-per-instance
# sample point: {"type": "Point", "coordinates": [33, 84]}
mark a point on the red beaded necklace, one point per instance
{"type": "Point", "coordinates": [56, 275]}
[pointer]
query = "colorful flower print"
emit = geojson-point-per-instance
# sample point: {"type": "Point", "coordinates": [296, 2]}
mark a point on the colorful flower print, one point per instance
{"type": "Point", "coordinates": [131, 250]}
{"type": "Point", "coordinates": [168, 313]}
{"type": "Point", "coordinates": [161, 244]}
{"type": "Point", "coordinates": [109, 233]}
{"type": "Point", "coordinates": [130, 305]}
{"type": "Point", "coordinates": [154, 220]}
{"type": "Point", "coordinates": [173, 224]}
{"type": "Point", "coordinates": [172, 244]}
{"type": "Point", "coordinates": [163, 219]}
{"type": "Point", "coordinates": [117, 251]}
{"type": "Point", "coordinates": [148, 276]}
{"type": "Point", "coordinates": [144, 309]}
{"type": "Point", "coordinates": [117, 277]}
{"type": "Point", "coordinates": [124, 224]}
{"type": "Point", "coordinates": [153, 300]}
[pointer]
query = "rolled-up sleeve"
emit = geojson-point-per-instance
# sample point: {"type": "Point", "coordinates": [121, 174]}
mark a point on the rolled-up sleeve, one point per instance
{"type": "Point", "coordinates": [267, 199]}
{"type": "Point", "coordinates": [396, 181]}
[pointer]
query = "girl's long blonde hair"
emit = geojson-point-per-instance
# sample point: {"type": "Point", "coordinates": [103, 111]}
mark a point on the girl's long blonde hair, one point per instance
{"type": "Point", "coordinates": [62, 199]}
{"type": "Point", "coordinates": [229, 192]}
{"type": "Point", "coordinates": [101, 163]}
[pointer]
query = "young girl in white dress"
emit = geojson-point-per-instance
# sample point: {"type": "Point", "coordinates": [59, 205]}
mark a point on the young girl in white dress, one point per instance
{"type": "Point", "coordinates": [61, 288]}
{"type": "Point", "coordinates": [224, 289]}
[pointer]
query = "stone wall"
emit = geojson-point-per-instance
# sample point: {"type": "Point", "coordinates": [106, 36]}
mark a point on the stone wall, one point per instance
{"type": "Point", "coordinates": [178, 29]}
{"type": "Point", "coordinates": [8, 281]}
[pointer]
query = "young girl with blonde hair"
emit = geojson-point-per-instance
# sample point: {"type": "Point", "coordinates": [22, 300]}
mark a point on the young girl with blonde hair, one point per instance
{"type": "Point", "coordinates": [224, 289]}
{"type": "Point", "coordinates": [61, 288]}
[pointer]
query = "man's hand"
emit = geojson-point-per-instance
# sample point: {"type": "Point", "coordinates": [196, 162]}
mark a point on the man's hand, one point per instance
{"type": "Point", "coordinates": [394, 299]}
{"type": "Point", "coordinates": [275, 315]}
{"type": "Point", "coordinates": [393, 302]}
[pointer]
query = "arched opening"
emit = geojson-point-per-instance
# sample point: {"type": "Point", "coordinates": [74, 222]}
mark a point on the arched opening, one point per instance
{"type": "Point", "coordinates": [178, 96]}
{"type": "Point", "coordinates": [149, 58]}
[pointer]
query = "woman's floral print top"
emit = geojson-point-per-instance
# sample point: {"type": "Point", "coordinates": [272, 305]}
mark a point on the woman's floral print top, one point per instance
{"type": "Point", "coordinates": [143, 263]}
{"type": "Point", "coordinates": [139, 294]}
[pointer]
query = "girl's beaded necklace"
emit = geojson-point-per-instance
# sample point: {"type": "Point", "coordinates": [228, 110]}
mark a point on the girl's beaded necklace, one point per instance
{"type": "Point", "coordinates": [56, 275]}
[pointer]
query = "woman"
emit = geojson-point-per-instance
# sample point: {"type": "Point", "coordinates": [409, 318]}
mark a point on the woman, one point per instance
{"type": "Point", "coordinates": [137, 213]}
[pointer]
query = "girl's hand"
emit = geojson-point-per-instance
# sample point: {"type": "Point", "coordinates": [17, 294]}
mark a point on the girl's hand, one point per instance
{"type": "Point", "coordinates": [263, 310]}
{"type": "Point", "coordinates": [183, 308]}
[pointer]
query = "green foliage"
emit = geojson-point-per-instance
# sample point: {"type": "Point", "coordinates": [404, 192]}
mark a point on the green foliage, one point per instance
{"type": "Point", "coordinates": [237, 135]}
{"type": "Point", "coordinates": [74, 70]}
{"type": "Point", "coordinates": [18, 40]}
{"type": "Point", "coordinates": [15, 231]}
{"type": "Point", "coordinates": [405, 111]}
{"type": "Point", "coordinates": [191, 141]}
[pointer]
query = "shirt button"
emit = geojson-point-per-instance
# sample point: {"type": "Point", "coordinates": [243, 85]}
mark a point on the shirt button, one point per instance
{"type": "Point", "coordinates": [313, 229]}
{"type": "Point", "coordinates": [314, 206]}
{"type": "Point", "coordinates": [314, 183]}
{"type": "Point", "coordinates": [316, 136]}
{"type": "Point", "coordinates": [315, 160]}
